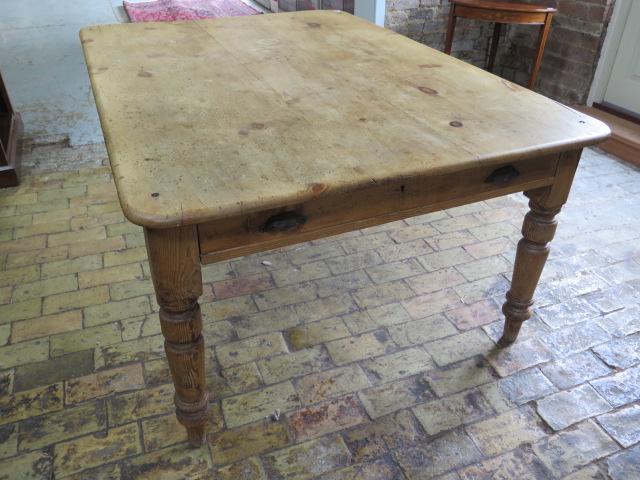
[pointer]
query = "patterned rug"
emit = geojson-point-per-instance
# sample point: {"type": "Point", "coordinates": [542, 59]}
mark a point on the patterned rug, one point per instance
{"type": "Point", "coordinates": [170, 10]}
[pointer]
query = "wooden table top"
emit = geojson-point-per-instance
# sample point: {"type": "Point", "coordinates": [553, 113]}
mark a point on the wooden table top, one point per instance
{"type": "Point", "coordinates": [209, 119]}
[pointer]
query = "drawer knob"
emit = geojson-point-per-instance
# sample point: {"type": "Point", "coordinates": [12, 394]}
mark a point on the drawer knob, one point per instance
{"type": "Point", "coordinates": [502, 175]}
{"type": "Point", "coordinates": [283, 222]}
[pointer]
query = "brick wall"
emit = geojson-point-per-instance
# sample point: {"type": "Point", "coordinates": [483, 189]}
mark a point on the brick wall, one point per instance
{"type": "Point", "coordinates": [570, 58]}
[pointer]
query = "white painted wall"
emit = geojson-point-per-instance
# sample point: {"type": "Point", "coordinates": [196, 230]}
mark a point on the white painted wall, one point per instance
{"type": "Point", "coordinates": [372, 10]}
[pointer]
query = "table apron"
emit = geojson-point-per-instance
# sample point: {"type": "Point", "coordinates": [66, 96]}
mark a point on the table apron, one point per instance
{"type": "Point", "coordinates": [377, 204]}
{"type": "Point", "coordinates": [501, 16]}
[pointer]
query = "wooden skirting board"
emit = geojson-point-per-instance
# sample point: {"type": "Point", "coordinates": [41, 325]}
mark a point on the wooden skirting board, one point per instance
{"type": "Point", "coordinates": [625, 135]}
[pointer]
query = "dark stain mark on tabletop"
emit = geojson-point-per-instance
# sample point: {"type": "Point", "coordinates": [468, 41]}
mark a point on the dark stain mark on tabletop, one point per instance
{"type": "Point", "coordinates": [428, 90]}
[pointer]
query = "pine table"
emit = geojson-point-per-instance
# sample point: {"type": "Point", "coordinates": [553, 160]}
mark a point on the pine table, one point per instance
{"type": "Point", "coordinates": [233, 136]}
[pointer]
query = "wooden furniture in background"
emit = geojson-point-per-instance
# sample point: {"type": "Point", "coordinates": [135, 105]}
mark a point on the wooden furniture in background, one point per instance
{"type": "Point", "coordinates": [501, 12]}
{"type": "Point", "coordinates": [297, 5]}
{"type": "Point", "coordinates": [220, 149]}
{"type": "Point", "coordinates": [10, 136]}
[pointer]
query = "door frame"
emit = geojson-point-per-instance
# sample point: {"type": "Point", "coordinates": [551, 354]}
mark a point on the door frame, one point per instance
{"type": "Point", "coordinates": [609, 51]}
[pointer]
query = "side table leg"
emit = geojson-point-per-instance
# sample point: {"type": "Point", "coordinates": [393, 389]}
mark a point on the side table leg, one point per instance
{"type": "Point", "coordinates": [538, 230]}
{"type": "Point", "coordinates": [494, 46]}
{"type": "Point", "coordinates": [542, 40]}
{"type": "Point", "coordinates": [451, 26]}
{"type": "Point", "coordinates": [175, 269]}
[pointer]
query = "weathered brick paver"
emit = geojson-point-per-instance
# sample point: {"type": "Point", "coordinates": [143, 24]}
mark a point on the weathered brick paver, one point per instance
{"type": "Point", "coordinates": [326, 417]}
{"type": "Point", "coordinates": [527, 385]}
{"type": "Point", "coordinates": [623, 425]}
{"type": "Point", "coordinates": [451, 451]}
{"type": "Point", "coordinates": [566, 408]}
{"type": "Point", "coordinates": [331, 383]}
{"type": "Point", "coordinates": [450, 412]}
{"type": "Point", "coordinates": [369, 355]}
{"type": "Point", "coordinates": [390, 397]}
{"type": "Point", "coordinates": [624, 465]}
{"type": "Point", "coordinates": [567, 451]}
{"type": "Point", "coordinates": [308, 459]}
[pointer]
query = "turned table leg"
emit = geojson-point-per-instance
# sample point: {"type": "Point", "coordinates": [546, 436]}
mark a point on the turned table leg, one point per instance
{"type": "Point", "coordinates": [175, 269]}
{"type": "Point", "coordinates": [538, 230]}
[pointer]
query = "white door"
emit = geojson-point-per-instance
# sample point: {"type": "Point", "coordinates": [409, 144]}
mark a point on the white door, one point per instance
{"type": "Point", "coordinates": [623, 87]}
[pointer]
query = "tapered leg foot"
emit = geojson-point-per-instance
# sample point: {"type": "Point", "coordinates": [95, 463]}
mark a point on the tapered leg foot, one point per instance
{"type": "Point", "coordinates": [515, 314]}
{"type": "Point", "coordinates": [197, 436]}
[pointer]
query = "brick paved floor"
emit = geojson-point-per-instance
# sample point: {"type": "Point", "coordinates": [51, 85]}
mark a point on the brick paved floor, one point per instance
{"type": "Point", "coordinates": [365, 356]}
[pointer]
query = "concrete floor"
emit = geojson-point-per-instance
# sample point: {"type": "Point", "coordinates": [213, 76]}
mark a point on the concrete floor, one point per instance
{"type": "Point", "coordinates": [43, 66]}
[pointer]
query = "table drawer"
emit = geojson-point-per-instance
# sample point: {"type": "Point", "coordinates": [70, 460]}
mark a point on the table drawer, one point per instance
{"type": "Point", "coordinates": [374, 204]}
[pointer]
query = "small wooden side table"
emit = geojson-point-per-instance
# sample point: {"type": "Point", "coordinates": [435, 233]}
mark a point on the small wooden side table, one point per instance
{"type": "Point", "coordinates": [502, 12]}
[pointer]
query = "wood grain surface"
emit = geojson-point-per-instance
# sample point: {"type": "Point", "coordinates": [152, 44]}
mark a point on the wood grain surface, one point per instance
{"type": "Point", "coordinates": [211, 119]}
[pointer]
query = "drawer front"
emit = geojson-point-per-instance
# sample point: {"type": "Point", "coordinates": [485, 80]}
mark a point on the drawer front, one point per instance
{"type": "Point", "coordinates": [376, 204]}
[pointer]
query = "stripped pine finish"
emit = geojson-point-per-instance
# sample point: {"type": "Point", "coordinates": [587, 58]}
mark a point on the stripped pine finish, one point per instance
{"type": "Point", "coordinates": [223, 142]}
